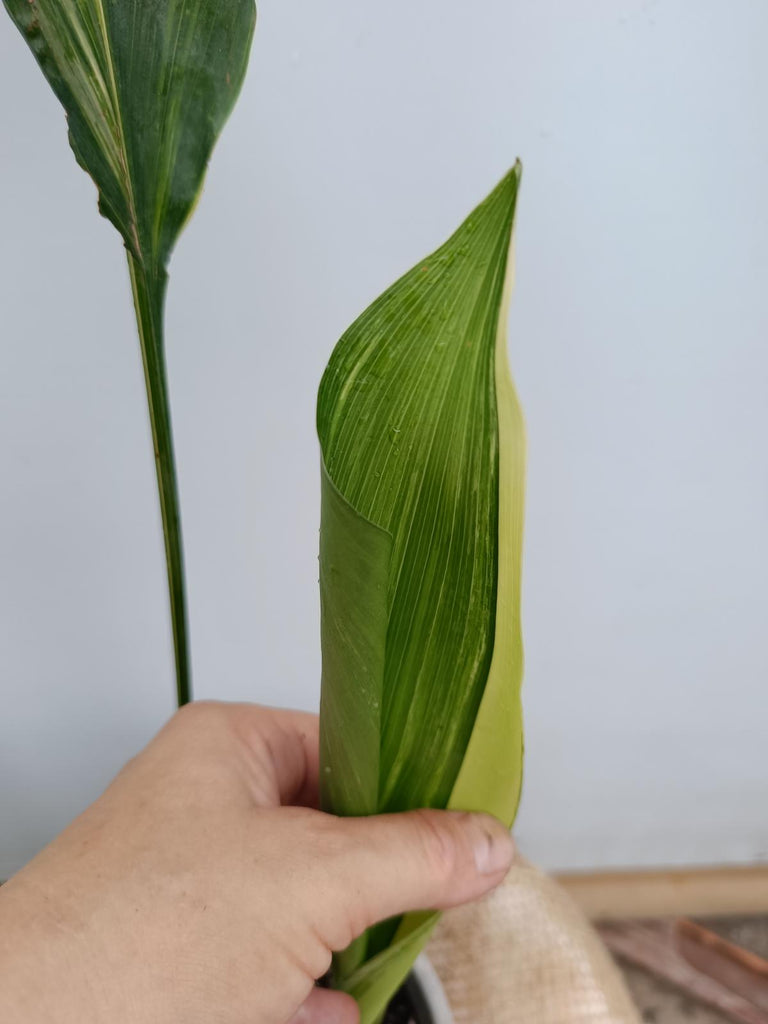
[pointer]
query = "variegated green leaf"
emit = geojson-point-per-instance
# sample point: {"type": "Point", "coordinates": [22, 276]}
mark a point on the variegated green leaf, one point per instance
{"type": "Point", "coordinates": [147, 86]}
{"type": "Point", "coordinates": [423, 452]}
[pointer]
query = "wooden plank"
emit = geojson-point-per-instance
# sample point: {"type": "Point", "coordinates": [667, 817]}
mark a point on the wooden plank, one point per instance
{"type": "Point", "coordinates": [685, 892]}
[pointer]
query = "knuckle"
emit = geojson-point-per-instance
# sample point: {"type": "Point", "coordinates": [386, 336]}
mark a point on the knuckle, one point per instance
{"type": "Point", "coordinates": [344, 920]}
{"type": "Point", "coordinates": [438, 844]}
{"type": "Point", "coordinates": [198, 713]}
{"type": "Point", "coordinates": [322, 961]}
{"type": "Point", "coordinates": [326, 835]}
{"type": "Point", "coordinates": [311, 955]}
{"type": "Point", "coordinates": [353, 923]}
{"type": "Point", "coordinates": [340, 896]}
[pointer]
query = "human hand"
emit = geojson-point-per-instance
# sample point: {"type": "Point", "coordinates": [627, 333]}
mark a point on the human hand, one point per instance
{"type": "Point", "coordinates": [203, 888]}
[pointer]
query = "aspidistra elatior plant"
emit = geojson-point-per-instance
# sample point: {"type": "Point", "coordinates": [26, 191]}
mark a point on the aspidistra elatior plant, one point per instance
{"type": "Point", "coordinates": [147, 86]}
{"type": "Point", "coordinates": [423, 460]}
{"type": "Point", "coordinates": [420, 429]}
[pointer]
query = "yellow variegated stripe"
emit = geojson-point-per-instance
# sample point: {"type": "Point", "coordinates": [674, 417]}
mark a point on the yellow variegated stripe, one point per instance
{"type": "Point", "coordinates": [491, 774]}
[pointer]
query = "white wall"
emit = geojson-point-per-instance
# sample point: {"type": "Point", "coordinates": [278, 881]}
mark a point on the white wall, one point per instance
{"type": "Point", "coordinates": [364, 134]}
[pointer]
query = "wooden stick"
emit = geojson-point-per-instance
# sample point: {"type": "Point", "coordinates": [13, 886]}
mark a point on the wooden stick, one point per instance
{"type": "Point", "coordinates": [738, 969]}
{"type": "Point", "coordinates": [653, 946]}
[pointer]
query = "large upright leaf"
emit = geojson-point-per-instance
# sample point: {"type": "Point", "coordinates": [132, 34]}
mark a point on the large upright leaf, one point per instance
{"type": "Point", "coordinates": [423, 471]}
{"type": "Point", "coordinates": [147, 86]}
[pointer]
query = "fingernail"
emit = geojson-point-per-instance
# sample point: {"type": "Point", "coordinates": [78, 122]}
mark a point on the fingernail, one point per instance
{"type": "Point", "coordinates": [493, 846]}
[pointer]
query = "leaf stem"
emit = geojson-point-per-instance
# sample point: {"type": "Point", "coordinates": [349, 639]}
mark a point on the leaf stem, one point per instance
{"type": "Point", "coordinates": [148, 288]}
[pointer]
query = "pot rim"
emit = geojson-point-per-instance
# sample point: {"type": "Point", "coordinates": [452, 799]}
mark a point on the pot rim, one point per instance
{"type": "Point", "coordinates": [432, 990]}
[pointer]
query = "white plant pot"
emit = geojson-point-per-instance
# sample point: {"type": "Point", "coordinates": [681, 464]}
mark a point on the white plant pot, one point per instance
{"type": "Point", "coordinates": [426, 992]}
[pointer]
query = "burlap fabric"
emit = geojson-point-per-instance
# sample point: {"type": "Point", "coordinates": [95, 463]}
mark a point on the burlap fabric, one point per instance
{"type": "Point", "coordinates": [527, 955]}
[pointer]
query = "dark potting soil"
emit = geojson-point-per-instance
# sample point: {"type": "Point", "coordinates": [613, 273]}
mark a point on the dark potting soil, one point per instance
{"type": "Point", "coordinates": [409, 1005]}
{"type": "Point", "coordinates": [400, 1010]}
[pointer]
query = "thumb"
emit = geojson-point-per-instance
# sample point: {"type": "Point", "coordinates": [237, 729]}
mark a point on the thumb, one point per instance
{"type": "Point", "coordinates": [418, 860]}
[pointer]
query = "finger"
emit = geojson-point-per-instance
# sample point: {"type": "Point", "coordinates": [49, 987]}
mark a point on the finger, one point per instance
{"type": "Point", "coordinates": [324, 1006]}
{"type": "Point", "coordinates": [419, 860]}
{"type": "Point", "coordinates": [274, 752]}
{"type": "Point", "coordinates": [282, 753]}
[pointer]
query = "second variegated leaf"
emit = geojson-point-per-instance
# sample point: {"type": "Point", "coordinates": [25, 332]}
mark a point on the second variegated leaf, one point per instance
{"type": "Point", "coordinates": [423, 473]}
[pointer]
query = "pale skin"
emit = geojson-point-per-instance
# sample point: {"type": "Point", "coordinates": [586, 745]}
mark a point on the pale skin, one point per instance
{"type": "Point", "coordinates": [204, 887]}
